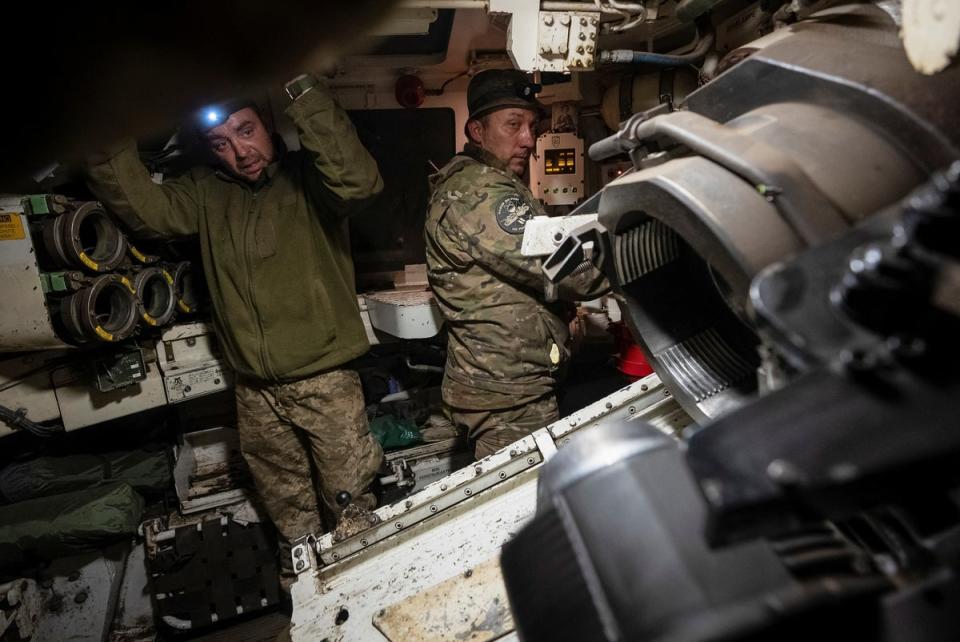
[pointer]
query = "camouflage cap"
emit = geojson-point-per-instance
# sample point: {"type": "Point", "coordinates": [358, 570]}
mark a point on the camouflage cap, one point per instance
{"type": "Point", "coordinates": [498, 88]}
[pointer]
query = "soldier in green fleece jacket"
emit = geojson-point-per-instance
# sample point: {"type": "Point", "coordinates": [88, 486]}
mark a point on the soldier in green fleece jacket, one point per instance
{"type": "Point", "coordinates": [272, 231]}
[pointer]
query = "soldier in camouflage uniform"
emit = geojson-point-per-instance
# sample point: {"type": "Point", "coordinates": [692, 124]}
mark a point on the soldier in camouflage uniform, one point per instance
{"type": "Point", "coordinates": [507, 343]}
{"type": "Point", "coordinates": [272, 232]}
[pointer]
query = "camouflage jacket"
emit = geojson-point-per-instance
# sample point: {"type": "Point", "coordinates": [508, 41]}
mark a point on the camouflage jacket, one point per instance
{"type": "Point", "coordinates": [506, 343]}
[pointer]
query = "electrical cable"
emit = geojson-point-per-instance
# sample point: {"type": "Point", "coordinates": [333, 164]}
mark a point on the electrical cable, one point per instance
{"type": "Point", "coordinates": [17, 419]}
{"type": "Point", "coordinates": [438, 92]}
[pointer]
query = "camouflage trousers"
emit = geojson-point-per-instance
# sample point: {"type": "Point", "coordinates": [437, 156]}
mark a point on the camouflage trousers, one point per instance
{"type": "Point", "coordinates": [491, 430]}
{"type": "Point", "coordinates": [304, 442]}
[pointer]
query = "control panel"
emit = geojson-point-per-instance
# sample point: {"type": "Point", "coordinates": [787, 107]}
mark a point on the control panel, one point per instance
{"type": "Point", "coordinates": [557, 169]}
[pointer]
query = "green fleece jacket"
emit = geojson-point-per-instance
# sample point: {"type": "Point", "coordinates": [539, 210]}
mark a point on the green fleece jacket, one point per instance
{"type": "Point", "coordinates": [276, 254]}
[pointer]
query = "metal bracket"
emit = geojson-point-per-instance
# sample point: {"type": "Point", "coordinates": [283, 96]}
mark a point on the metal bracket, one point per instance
{"type": "Point", "coordinates": [543, 234]}
{"type": "Point", "coordinates": [301, 555]}
{"type": "Point", "coordinates": [571, 254]}
{"type": "Point", "coordinates": [545, 443]}
{"type": "Point", "coordinates": [504, 466]}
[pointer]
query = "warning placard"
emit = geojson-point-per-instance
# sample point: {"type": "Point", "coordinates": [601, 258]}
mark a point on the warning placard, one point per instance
{"type": "Point", "coordinates": [11, 227]}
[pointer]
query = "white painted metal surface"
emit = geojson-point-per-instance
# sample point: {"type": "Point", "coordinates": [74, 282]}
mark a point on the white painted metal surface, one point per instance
{"type": "Point", "coordinates": [404, 21]}
{"type": "Point", "coordinates": [471, 606]}
{"type": "Point", "coordinates": [81, 404]}
{"type": "Point", "coordinates": [189, 359]}
{"type": "Point", "coordinates": [402, 567]}
{"type": "Point", "coordinates": [523, 23]}
{"type": "Point", "coordinates": [25, 381]}
{"type": "Point", "coordinates": [451, 526]}
{"type": "Point", "coordinates": [566, 40]}
{"type": "Point", "coordinates": [24, 318]}
{"type": "Point", "coordinates": [543, 234]}
{"type": "Point", "coordinates": [133, 619]}
{"type": "Point", "coordinates": [211, 473]}
{"type": "Point", "coordinates": [404, 314]}
{"type": "Point", "coordinates": [931, 33]}
{"type": "Point", "coordinates": [82, 597]}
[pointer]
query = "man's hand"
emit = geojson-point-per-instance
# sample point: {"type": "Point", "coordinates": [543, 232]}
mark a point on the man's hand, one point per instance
{"type": "Point", "coordinates": [124, 72]}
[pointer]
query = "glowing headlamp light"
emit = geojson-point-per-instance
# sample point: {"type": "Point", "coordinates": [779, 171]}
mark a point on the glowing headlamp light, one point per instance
{"type": "Point", "coordinates": [215, 114]}
{"type": "Point", "coordinates": [211, 116]}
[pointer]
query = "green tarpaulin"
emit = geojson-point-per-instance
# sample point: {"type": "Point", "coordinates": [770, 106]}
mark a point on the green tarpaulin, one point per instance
{"type": "Point", "coordinates": [147, 471]}
{"type": "Point", "coordinates": [50, 527]}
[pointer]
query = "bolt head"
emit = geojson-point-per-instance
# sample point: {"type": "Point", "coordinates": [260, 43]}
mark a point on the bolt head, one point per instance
{"type": "Point", "coordinates": [783, 472]}
{"type": "Point", "coordinates": [548, 20]}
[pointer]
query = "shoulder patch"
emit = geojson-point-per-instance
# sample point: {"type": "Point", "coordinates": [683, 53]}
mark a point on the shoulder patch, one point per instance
{"type": "Point", "coordinates": [512, 213]}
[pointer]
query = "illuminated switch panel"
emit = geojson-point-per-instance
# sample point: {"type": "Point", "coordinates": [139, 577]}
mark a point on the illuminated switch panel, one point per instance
{"type": "Point", "coordinates": [557, 169]}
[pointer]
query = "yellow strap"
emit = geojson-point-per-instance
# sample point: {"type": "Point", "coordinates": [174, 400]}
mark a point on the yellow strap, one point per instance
{"type": "Point", "coordinates": [103, 334]}
{"type": "Point", "coordinates": [90, 263]}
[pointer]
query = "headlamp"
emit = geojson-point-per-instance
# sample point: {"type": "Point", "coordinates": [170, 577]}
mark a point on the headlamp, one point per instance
{"type": "Point", "coordinates": [216, 114]}
{"type": "Point", "coordinates": [528, 90]}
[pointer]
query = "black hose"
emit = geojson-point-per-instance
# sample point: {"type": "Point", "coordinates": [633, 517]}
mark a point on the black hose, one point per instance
{"type": "Point", "coordinates": [661, 60]}
{"type": "Point", "coordinates": [17, 419]}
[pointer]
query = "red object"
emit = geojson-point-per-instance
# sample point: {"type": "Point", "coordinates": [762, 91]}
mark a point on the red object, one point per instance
{"type": "Point", "coordinates": [409, 91]}
{"type": "Point", "coordinates": [630, 360]}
